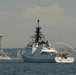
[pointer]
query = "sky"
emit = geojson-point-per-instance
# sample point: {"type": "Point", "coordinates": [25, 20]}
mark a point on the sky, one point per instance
{"type": "Point", "coordinates": [18, 19]}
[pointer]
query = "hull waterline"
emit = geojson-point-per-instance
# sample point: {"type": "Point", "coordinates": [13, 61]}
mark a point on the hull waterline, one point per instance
{"type": "Point", "coordinates": [27, 59]}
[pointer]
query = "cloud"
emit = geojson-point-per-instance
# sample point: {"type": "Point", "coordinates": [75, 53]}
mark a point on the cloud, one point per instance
{"type": "Point", "coordinates": [51, 15]}
{"type": "Point", "coordinates": [55, 9]}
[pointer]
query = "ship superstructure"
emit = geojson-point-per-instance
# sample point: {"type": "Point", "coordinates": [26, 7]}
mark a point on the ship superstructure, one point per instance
{"type": "Point", "coordinates": [37, 38]}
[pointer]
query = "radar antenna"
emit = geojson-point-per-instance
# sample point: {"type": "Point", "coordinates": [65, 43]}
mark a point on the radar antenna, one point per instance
{"type": "Point", "coordinates": [38, 21]}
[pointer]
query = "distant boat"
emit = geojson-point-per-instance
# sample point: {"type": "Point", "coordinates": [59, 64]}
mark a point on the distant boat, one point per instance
{"type": "Point", "coordinates": [66, 54]}
{"type": "Point", "coordinates": [64, 58]}
{"type": "Point", "coordinates": [3, 56]}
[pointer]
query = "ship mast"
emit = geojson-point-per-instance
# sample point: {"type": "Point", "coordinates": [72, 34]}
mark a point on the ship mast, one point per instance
{"type": "Point", "coordinates": [38, 22]}
{"type": "Point", "coordinates": [37, 32]}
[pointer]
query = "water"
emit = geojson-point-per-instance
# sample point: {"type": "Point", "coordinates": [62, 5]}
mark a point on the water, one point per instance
{"type": "Point", "coordinates": [22, 68]}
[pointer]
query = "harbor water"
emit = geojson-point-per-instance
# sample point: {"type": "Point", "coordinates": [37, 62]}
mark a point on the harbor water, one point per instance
{"type": "Point", "coordinates": [14, 67]}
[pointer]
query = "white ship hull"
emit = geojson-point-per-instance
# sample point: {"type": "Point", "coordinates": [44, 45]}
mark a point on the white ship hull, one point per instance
{"type": "Point", "coordinates": [5, 58]}
{"type": "Point", "coordinates": [64, 60]}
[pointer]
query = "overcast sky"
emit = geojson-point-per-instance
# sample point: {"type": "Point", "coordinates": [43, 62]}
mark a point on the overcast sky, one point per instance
{"type": "Point", "coordinates": [18, 19]}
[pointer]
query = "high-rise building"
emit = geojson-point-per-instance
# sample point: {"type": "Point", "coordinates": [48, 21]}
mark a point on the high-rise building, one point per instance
{"type": "Point", "coordinates": [1, 43]}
